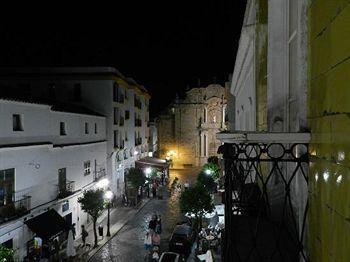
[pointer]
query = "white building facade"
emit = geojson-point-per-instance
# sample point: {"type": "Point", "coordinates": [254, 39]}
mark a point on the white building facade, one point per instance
{"type": "Point", "coordinates": [49, 155]}
{"type": "Point", "coordinates": [123, 102]}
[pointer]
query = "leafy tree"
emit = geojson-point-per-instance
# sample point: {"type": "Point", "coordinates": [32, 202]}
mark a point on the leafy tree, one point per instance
{"type": "Point", "coordinates": [196, 200]}
{"type": "Point", "coordinates": [213, 160]}
{"type": "Point", "coordinates": [136, 177]}
{"type": "Point", "coordinates": [92, 202]}
{"type": "Point", "coordinates": [6, 254]}
{"type": "Point", "coordinates": [207, 181]}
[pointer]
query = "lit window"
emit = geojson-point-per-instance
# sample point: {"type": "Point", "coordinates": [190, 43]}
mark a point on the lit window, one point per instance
{"type": "Point", "coordinates": [17, 122]}
{"type": "Point", "coordinates": [87, 168]}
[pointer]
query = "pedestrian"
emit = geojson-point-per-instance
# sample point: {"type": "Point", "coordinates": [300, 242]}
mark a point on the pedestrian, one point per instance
{"type": "Point", "coordinates": [154, 189]}
{"type": "Point", "coordinates": [155, 255]}
{"type": "Point", "coordinates": [148, 240]}
{"type": "Point", "coordinates": [73, 230]}
{"type": "Point", "coordinates": [84, 234]}
{"type": "Point", "coordinates": [153, 223]}
{"type": "Point", "coordinates": [155, 239]}
{"type": "Point", "coordinates": [159, 225]}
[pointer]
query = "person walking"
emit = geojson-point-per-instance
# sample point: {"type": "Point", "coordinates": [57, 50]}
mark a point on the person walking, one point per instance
{"type": "Point", "coordinates": [154, 189]}
{"type": "Point", "coordinates": [148, 240]}
{"type": "Point", "coordinates": [156, 239]}
{"type": "Point", "coordinates": [153, 223]}
{"type": "Point", "coordinates": [159, 225]}
{"type": "Point", "coordinates": [84, 234]}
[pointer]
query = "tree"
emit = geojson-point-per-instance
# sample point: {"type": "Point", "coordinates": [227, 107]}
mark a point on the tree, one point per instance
{"type": "Point", "coordinates": [196, 200]}
{"type": "Point", "coordinates": [136, 177]}
{"type": "Point", "coordinates": [6, 254]}
{"type": "Point", "coordinates": [207, 181]}
{"type": "Point", "coordinates": [92, 202]}
{"type": "Point", "coordinates": [213, 160]}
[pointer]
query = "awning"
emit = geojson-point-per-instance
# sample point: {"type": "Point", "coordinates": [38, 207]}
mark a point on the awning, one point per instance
{"type": "Point", "coordinates": [152, 161]}
{"type": "Point", "coordinates": [48, 224]}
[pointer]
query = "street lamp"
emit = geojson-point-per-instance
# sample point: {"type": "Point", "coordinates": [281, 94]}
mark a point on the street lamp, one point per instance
{"type": "Point", "coordinates": [108, 196]}
{"type": "Point", "coordinates": [148, 171]}
{"type": "Point", "coordinates": [208, 171]}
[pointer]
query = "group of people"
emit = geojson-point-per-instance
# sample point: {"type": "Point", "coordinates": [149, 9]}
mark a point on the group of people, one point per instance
{"type": "Point", "coordinates": [152, 238]}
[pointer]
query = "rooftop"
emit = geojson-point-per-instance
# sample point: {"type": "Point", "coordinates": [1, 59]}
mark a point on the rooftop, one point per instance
{"type": "Point", "coordinates": [55, 105]}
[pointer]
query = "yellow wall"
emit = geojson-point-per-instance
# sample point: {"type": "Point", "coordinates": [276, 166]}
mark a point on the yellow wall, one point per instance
{"type": "Point", "coordinates": [329, 120]}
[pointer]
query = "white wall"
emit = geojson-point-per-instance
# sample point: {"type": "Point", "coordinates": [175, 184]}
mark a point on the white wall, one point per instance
{"type": "Point", "coordinates": [40, 124]}
{"type": "Point", "coordinates": [243, 98]}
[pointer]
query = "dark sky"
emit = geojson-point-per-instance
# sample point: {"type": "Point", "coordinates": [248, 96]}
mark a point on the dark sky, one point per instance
{"type": "Point", "coordinates": [165, 48]}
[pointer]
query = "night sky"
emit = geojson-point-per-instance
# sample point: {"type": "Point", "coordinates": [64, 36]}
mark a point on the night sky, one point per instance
{"type": "Point", "coordinates": [165, 48]}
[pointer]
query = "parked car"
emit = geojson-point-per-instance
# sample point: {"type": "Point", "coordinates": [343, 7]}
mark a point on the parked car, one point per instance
{"type": "Point", "coordinates": [170, 257]}
{"type": "Point", "coordinates": [181, 239]}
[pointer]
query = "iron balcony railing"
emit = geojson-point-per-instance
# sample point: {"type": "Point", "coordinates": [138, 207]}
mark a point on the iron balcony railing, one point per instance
{"type": "Point", "coordinates": [99, 174]}
{"type": "Point", "coordinates": [15, 207]}
{"type": "Point", "coordinates": [65, 190]}
{"type": "Point", "coordinates": [266, 196]}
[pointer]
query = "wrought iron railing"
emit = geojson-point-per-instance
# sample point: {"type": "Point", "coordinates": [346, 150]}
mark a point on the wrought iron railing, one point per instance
{"type": "Point", "coordinates": [266, 201]}
{"type": "Point", "coordinates": [17, 207]}
{"type": "Point", "coordinates": [66, 189]}
{"type": "Point", "coordinates": [99, 174]}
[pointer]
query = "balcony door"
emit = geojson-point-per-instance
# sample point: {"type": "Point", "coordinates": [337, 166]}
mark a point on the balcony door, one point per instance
{"type": "Point", "coordinates": [62, 179]}
{"type": "Point", "coordinates": [7, 186]}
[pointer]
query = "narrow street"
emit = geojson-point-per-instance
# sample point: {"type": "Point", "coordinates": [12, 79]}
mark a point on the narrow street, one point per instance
{"type": "Point", "coordinates": [127, 245]}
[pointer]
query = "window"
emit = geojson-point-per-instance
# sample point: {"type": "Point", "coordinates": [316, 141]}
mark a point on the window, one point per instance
{"type": "Point", "coordinates": [62, 180]}
{"type": "Point", "coordinates": [87, 168]}
{"type": "Point", "coordinates": [205, 145]}
{"type": "Point", "coordinates": [115, 92]}
{"type": "Point", "coordinates": [86, 128]}
{"type": "Point", "coordinates": [205, 115]}
{"type": "Point", "coordinates": [115, 138]}
{"type": "Point", "coordinates": [126, 136]}
{"type": "Point", "coordinates": [17, 122]}
{"type": "Point", "coordinates": [116, 116]}
{"type": "Point", "coordinates": [77, 92]}
{"type": "Point", "coordinates": [63, 129]}
{"type": "Point", "coordinates": [95, 128]}
{"type": "Point", "coordinates": [7, 186]}
{"type": "Point", "coordinates": [127, 114]}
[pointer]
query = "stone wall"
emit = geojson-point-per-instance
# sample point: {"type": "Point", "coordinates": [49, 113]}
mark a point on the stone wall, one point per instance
{"type": "Point", "coordinates": [185, 123]}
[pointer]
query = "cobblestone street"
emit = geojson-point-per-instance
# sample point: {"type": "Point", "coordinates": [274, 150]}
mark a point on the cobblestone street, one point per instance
{"type": "Point", "coordinates": [127, 245]}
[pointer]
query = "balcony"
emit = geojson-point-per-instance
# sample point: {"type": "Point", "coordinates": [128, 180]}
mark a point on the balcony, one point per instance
{"type": "Point", "coordinates": [121, 98]}
{"type": "Point", "coordinates": [137, 103]}
{"type": "Point", "coordinates": [265, 196]}
{"type": "Point", "coordinates": [65, 190]}
{"type": "Point", "coordinates": [138, 122]}
{"type": "Point", "coordinates": [18, 206]}
{"type": "Point", "coordinates": [121, 121]}
{"type": "Point", "coordinates": [99, 174]}
{"type": "Point", "coordinates": [138, 141]}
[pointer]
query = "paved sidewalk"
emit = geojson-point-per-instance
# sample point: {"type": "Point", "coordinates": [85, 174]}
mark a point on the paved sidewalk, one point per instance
{"type": "Point", "coordinates": [119, 216]}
